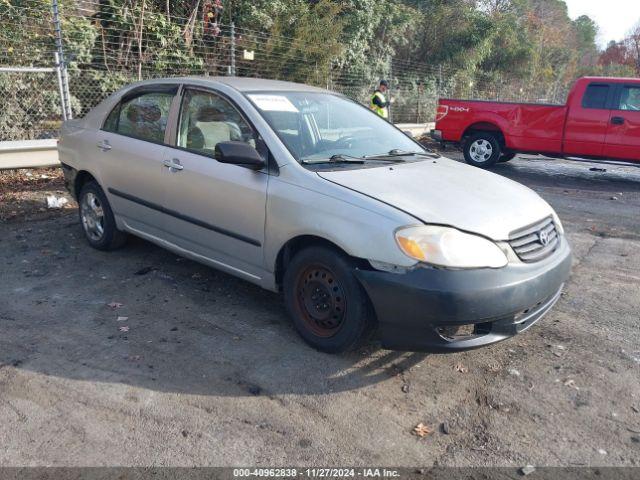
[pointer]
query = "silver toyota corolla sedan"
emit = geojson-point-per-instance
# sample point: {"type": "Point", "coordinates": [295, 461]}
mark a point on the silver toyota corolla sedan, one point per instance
{"type": "Point", "coordinates": [304, 191]}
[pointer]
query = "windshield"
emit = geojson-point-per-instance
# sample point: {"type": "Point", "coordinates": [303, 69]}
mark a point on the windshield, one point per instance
{"type": "Point", "coordinates": [319, 126]}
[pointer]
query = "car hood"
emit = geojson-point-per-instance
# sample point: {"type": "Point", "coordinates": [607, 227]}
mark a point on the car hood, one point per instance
{"type": "Point", "coordinates": [446, 192]}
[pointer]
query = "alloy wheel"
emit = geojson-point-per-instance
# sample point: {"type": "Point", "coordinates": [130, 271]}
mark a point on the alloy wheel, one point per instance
{"type": "Point", "coordinates": [92, 216]}
{"type": "Point", "coordinates": [481, 150]}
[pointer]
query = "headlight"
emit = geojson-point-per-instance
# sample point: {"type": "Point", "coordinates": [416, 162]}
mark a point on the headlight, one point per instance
{"type": "Point", "coordinates": [448, 247]}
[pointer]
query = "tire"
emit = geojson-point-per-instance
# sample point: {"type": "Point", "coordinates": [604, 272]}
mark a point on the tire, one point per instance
{"type": "Point", "coordinates": [482, 150]}
{"type": "Point", "coordinates": [96, 218]}
{"type": "Point", "coordinates": [328, 306]}
{"type": "Point", "coordinates": [506, 157]}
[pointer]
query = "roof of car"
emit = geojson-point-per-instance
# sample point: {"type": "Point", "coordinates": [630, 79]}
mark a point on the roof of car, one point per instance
{"type": "Point", "coordinates": [610, 79]}
{"type": "Point", "coordinates": [242, 84]}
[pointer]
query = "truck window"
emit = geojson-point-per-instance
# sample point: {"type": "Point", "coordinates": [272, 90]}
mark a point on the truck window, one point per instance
{"type": "Point", "coordinates": [596, 96]}
{"type": "Point", "coordinates": [630, 99]}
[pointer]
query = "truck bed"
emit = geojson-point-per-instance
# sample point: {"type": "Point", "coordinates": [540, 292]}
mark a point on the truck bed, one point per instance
{"type": "Point", "coordinates": [527, 126]}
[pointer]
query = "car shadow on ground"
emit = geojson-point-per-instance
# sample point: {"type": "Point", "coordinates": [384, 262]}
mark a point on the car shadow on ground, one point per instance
{"type": "Point", "coordinates": [181, 326]}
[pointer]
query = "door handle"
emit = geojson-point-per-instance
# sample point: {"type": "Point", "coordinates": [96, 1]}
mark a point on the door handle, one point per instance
{"type": "Point", "coordinates": [104, 146]}
{"type": "Point", "coordinates": [617, 120]}
{"type": "Point", "coordinates": [173, 165]}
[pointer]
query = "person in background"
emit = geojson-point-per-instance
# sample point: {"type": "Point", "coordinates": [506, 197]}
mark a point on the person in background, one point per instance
{"type": "Point", "coordinates": [379, 102]}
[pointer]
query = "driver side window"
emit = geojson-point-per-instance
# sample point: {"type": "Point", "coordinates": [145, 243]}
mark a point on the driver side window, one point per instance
{"type": "Point", "coordinates": [207, 119]}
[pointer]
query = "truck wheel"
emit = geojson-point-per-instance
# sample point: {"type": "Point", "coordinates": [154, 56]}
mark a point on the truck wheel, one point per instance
{"type": "Point", "coordinates": [328, 306]}
{"type": "Point", "coordinates": [482, 150]}
{"type": "Point", "coordinates": [506, 157]}
{"type": "Point", "coordinates": [97, 219]}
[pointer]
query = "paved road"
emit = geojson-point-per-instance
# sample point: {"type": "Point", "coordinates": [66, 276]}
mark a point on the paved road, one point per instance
{"type": "Point", "coordinates": [210, 371]}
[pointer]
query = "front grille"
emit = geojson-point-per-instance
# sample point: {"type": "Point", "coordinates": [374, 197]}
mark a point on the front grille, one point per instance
{"type": "Point", "coordinates": [535, 242]}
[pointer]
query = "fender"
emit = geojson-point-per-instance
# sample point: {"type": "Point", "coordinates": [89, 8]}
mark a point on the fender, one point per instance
{"type": "Point", "coordinates": [488, 122]}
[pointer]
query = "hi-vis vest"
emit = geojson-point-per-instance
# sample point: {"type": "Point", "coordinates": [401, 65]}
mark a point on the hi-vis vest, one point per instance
{"type": "Point", "coordinates": [382, 111]}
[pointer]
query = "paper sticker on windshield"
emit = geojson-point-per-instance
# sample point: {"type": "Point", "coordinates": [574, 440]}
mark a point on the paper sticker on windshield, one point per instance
{"type": "Point", "coordinates": [273, 103]}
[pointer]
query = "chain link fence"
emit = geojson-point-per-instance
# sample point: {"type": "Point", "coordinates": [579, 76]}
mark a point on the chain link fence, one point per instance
{"type": "Point", "coordinates": [106, 48]}
{"type": "Point", "coordinates": [31, 104]}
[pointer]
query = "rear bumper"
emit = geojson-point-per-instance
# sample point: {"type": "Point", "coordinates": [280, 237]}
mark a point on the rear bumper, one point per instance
{"type": "Point", "coordinates": [70, 175]}
{"type": "Point", "coordinates": [445, 135]}
{"type": "Point", "coordinates": [411, 308]}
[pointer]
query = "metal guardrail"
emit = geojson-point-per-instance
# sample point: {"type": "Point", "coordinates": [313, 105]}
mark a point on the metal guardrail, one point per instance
{"type": "Point", "coordinates": [27, 69]}
{"type": "Point", "coordinates": [416, 129]}
{"type": "Point", "coordinates": [44, 153]}
{"type": "Point", "coordinates": [29, 154]}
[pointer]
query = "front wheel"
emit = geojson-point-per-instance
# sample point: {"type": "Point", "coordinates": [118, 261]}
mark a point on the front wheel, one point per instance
{"type": "Point", "coordinates": [328, 306]}
{"type": "Point", "coordinates": [482, 150]}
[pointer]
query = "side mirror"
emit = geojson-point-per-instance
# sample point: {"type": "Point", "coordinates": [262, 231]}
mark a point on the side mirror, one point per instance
{"type": "Point", "coordinates": [408, 133]}
{"type": "Point", "coordinates": [239, 153]}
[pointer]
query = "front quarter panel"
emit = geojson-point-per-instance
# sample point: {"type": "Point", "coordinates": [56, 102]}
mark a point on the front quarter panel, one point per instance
{"type": "Point", "coordinates": [361, 226]}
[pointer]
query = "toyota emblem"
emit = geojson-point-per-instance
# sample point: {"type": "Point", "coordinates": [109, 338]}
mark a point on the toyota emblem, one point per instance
{"type": "Point", "coordinates": [543, 236]}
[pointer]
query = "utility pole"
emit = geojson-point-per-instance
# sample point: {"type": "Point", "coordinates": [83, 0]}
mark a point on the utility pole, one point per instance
{"type": "Point", "coordinates": [390, 83]}
{"type": "Point", "coordinates": [61, 66]}
{"type": "Point", "coordinates": [140, 41]}
{"type": "Point", "coordinates": [232, 69]}
{"type": "Point", "coordinates": [63, 104]}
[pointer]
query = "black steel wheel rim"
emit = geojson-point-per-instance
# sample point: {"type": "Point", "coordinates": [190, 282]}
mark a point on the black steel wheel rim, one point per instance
{"type": "Point", "coordinates": [320, 300]}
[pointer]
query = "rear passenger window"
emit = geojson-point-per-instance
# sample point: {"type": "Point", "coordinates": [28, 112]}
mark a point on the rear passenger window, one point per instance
{"type": "Point", "coordinates": [596, 96]}
{"type": "Point", "coordinates": [111, 123]}
{"type": "Point", "coordinates": [143, 116]}
{"type": "Point", "coordinates": [630, 99]}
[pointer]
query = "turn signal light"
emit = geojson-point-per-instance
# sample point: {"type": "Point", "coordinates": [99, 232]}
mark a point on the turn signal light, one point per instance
{"type": "Point", "coordinates": [411, 248]}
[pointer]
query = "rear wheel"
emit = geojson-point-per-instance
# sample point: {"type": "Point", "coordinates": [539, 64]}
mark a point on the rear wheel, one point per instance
{"type": "Point", "coordinates": [329, 308]}
{"type": "Point", "coordinates": [96, 218]}
{"type": "Point", "coordinates": [482, 150]}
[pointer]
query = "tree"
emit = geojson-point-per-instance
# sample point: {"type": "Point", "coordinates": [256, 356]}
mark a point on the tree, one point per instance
{"type": "Point", "coordinates": [313, 32]}
{"type": "Point", "coordinates": [632, 44]}
{"type": "Point", "coordinates": [622, 58]}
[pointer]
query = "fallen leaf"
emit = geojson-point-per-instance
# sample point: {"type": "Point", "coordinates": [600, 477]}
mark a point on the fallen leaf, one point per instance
{"type": "Point", "coordinates": [445, 428]}
{"type": "Point", "coordinates": [123, 319]}
{"type": "Point", "coordinates": [461, 368]}
{"type": "Point", "coordinates": [114, 305]}
{"type": "Point", "coordinates": [124, 329]}
{"type": "Point", "coordinates": [421, 430]}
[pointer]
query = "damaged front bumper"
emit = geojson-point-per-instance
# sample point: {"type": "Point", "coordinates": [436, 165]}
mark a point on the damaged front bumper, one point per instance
{"type": "Point", "coordinates": [418, 310]}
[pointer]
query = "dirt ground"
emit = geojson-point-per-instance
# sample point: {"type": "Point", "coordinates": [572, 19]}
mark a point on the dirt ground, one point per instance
{"type": "Point", "coordinates": [198, 368]}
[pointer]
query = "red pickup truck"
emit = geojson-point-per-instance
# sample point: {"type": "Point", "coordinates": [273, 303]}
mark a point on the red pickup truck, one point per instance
{"type": "Point", "coordinates": [600, 120]}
